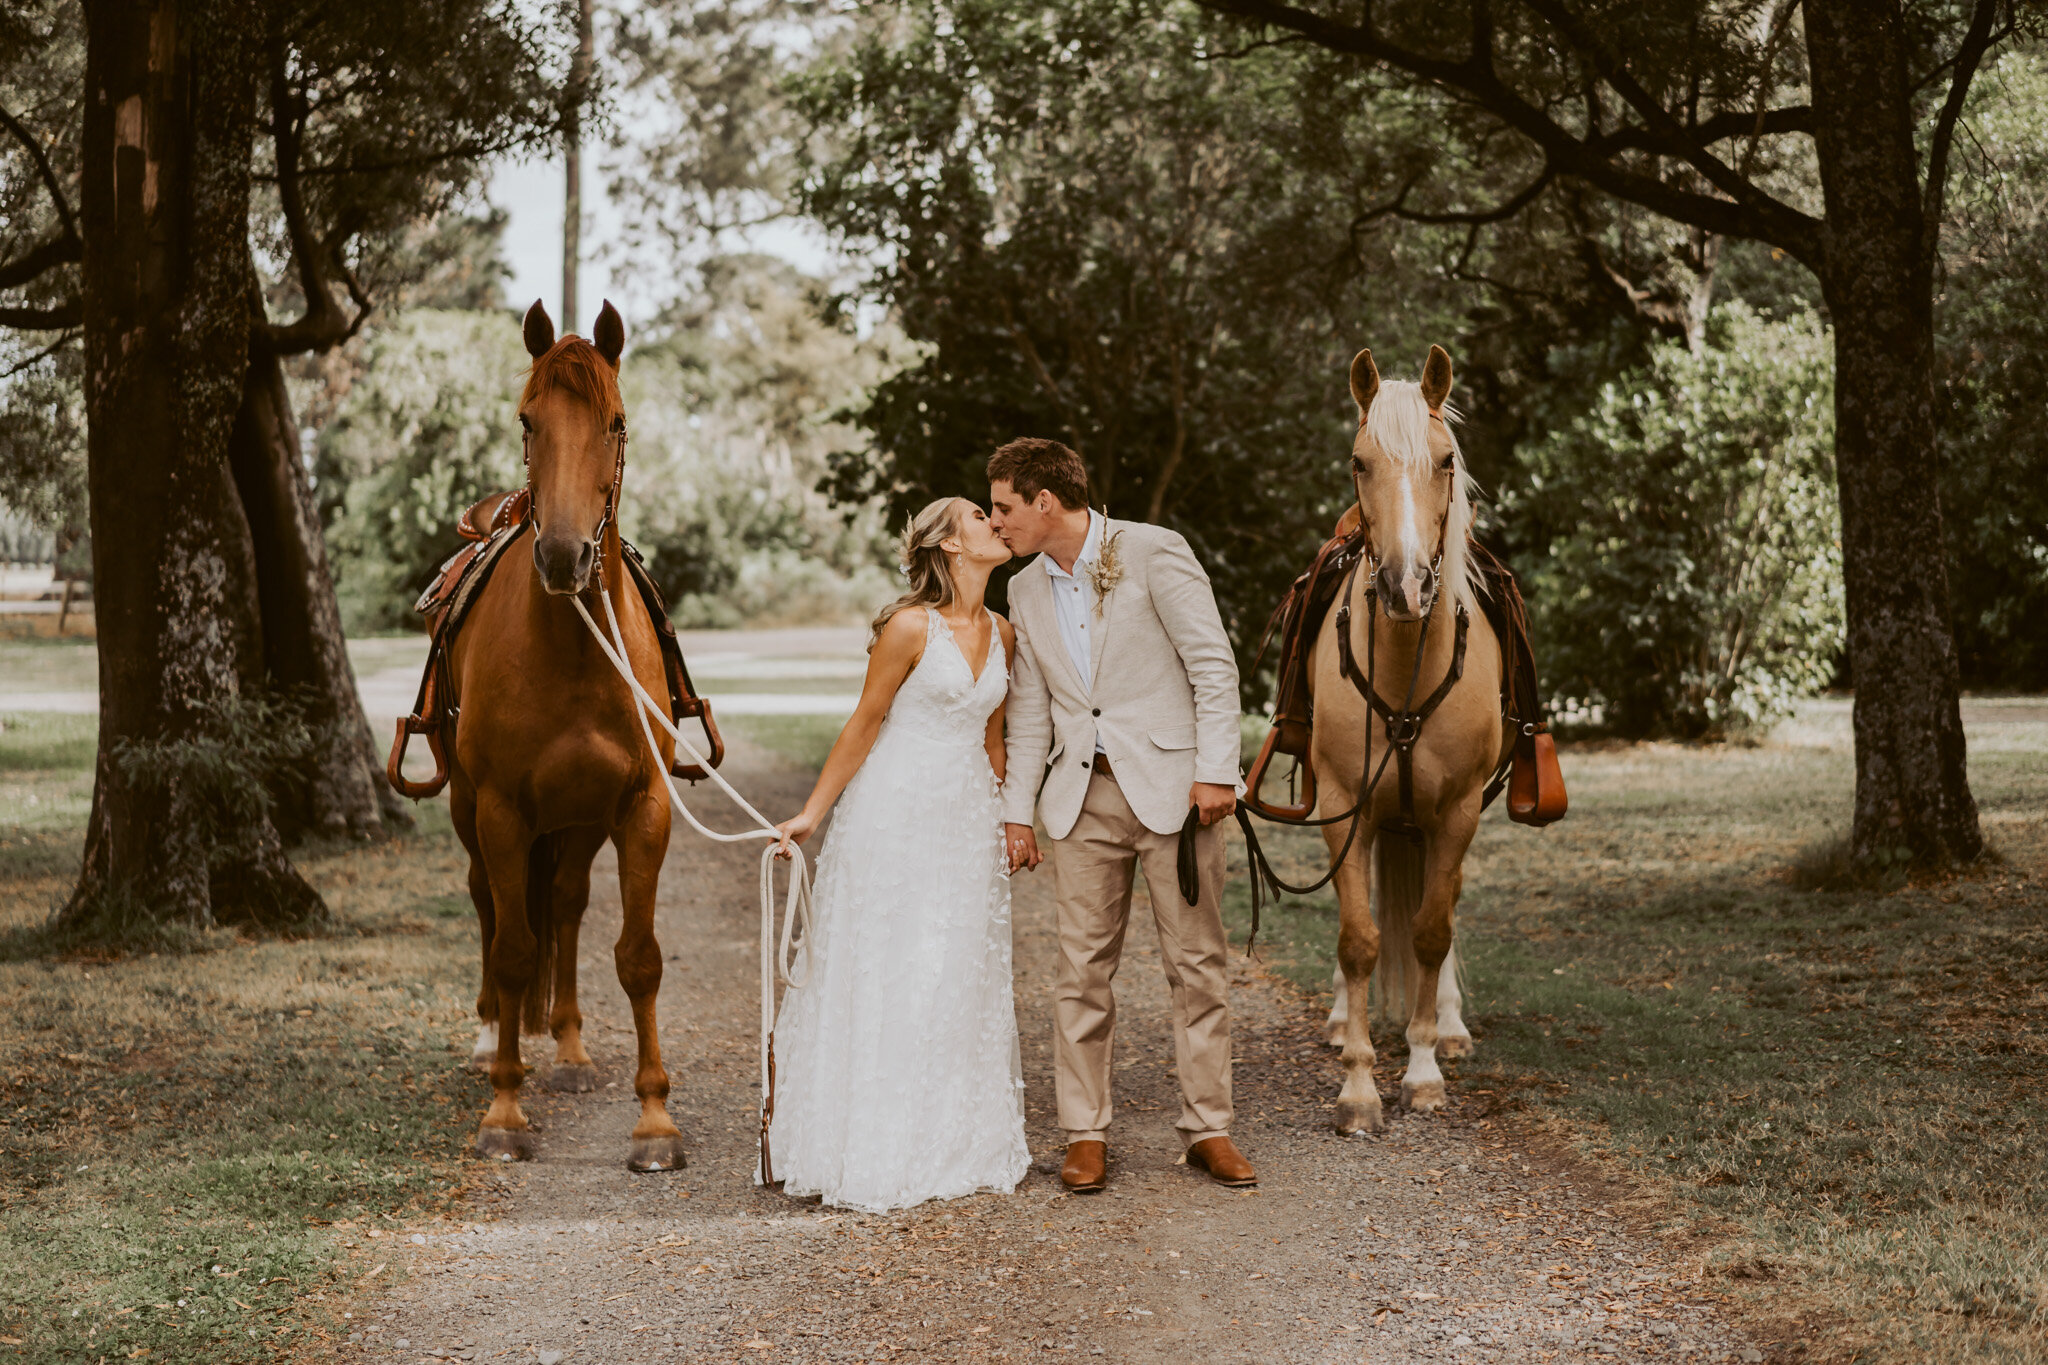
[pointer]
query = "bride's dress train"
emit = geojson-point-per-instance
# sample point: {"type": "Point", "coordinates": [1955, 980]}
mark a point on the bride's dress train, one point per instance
{"type": "Point", "coordinates": [899, 1072]}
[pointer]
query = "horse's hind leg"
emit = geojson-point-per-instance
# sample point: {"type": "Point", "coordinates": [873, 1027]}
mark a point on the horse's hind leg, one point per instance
{"type": "Point", "coordinates": [1453, 1039]}
{"type": "Point", "coordinates": [573, 1071]}
{"type": "Point", "coordinates": [1422, 1086]}
{"type": "Point", "coordinates": [462, 811]}
{"type": "Point", "coordinates": [642, 842]}
{"type": "Point", "coordinates": [1340, 1006]}
{"type": "Point", "coordinates": [1358, 949]}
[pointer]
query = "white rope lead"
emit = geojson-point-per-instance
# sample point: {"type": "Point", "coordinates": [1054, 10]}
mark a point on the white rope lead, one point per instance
{"type": "Point", "coordinates": [794, 969]}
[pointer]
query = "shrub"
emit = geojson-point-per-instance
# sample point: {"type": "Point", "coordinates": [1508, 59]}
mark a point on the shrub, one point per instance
{"type": "Point", "coordinates": [426, 429]}
{"type": "Point", "coordinates": [1694, 586]}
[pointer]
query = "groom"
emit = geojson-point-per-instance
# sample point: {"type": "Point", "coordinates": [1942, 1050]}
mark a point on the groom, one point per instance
{"type": "Point", "coordinates": [1122, 717]}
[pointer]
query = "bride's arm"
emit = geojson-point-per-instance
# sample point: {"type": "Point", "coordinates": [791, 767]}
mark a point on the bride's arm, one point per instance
{"type": "Point", "coordinates": [895, 654]}
{"type": "Point", "coordinates": [998, 752]}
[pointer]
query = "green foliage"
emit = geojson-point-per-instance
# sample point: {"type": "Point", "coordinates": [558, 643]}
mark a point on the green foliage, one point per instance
{"type": "Point", "coordinates": [729, 407]}
{"type": "Point", "coordinates": [1993, 320]}
{"type": "Point", "coordinates": [226, 772]}
{"type": "Point", "coordinates": [732, 407]}
{"type": "Point", "coordinates": [1696, 586]}
{"type": "Point", "coordinates": [429, 427]}
{"type": "Point", "coordinates": [1096, 229]}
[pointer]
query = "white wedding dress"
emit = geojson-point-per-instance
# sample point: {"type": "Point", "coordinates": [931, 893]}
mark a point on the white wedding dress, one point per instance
{"type": "Point", "coordinates": [899, 1077]}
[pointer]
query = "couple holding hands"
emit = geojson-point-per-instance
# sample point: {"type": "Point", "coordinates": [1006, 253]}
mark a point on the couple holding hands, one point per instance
{"type": "Point", "coordinates": [1108, 705]}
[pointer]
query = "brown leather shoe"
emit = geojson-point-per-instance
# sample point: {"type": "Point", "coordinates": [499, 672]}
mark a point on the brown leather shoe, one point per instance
{"type": "Point", "coordinates": [1224, 1163]}
{"type": "Point", "coordinates": [1086, 1169]}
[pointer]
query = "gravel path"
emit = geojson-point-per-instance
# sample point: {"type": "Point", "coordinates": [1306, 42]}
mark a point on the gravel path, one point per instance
{"type": "Point", "coordinates": [1445, 1239]}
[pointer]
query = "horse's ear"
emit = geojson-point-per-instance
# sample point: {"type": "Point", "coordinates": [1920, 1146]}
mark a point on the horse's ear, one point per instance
{"type": "Point", "coordinates": [1436, 377]}
{"type": "Point", "coordinates": [609, 334]}
{"type": "Point", "coordinates": [1365, 382]}
{"type": "Point", "coordinates": [539, 329]}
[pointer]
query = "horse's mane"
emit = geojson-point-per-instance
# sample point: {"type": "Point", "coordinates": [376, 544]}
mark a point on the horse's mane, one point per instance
{"type": "Point", "coordinates": [1399, 423]}
{"type": "Point", "coordinates": [575, 365]}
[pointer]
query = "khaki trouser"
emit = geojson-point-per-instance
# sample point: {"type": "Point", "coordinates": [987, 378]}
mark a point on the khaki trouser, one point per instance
{"type": "Point", "coordinates": [1092, 869]}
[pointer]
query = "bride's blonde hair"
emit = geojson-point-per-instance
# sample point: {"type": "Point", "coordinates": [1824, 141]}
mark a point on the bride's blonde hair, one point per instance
{"type": "Point", "coordinates": [924, 563]}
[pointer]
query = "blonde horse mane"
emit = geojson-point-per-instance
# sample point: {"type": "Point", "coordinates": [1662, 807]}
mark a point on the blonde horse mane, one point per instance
{"type": "Point", "coordinates": [1399, 423]}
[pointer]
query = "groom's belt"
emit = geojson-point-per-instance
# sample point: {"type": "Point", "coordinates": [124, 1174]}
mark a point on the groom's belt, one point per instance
{"type": "Point", "coordinates": [1102, 766]}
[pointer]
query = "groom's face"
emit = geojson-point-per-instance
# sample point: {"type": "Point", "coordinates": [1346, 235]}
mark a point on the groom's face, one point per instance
{"type": "Point", "coordinates": [1022, 525]}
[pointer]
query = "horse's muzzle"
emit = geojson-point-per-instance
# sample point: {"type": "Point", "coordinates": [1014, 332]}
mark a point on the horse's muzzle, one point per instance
{"type": "Point", "coordinates": [564, 565]}
{"type": "Point", "coordinates": [1406, 594]}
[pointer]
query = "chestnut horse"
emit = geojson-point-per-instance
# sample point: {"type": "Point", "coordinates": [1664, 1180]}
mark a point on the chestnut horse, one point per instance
{"type": "Point", "coordinates": [549, 760]}
{"type": "Point", "coordinates": [1409, 631]}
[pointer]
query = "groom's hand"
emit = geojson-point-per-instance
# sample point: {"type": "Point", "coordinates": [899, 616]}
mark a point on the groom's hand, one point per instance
{"type": "Point", "coordinates": [1214, 800]}
{"type": "Point", "coordinates": [1022, 843]}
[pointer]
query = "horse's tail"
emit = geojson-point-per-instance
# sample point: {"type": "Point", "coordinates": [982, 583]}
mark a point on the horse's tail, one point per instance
{"type": "Point", "coordinates": [540, 920]}
{"type": "Point", "coordinates": [1396, 897]}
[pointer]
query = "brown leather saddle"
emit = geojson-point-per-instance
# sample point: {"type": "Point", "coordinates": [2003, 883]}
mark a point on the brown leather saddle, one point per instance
{"type": "Point", "coordinates": [491, 525]}
{"type": "Point", "coordinates": [1530, 775]}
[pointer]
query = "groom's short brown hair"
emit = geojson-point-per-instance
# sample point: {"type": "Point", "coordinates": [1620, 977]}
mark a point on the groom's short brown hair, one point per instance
{"type": "Point", "coordinates": [1031, 463]}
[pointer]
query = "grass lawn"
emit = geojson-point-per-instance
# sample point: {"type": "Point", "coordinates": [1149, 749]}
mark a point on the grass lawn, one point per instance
{"type": "Point", "coordinates": [205, 1156]}
{"type": "Point", "coordinates": [1842, 1090]}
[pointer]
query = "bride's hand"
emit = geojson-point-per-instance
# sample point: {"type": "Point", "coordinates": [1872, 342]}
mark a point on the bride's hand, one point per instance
{"type": "Point", "coordinates": [798, 829]}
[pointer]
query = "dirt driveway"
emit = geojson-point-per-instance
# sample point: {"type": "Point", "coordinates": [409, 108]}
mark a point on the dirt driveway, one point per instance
{"type": "Point", "coordinates": [1444, 1239]}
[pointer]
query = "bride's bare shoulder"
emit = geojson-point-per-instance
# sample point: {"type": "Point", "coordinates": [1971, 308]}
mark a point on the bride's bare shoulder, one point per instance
{"type": "Point", "coordinates": [903, 635]}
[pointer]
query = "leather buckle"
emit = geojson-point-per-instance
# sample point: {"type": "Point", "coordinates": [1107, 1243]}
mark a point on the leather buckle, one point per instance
{"type": "Point", "coordinates": [1404, 729]}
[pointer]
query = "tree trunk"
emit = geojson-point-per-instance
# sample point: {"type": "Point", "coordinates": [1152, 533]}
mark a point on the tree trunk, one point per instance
{"type": "Point", "coordinates": [165, 205]}
{"type": "Point", "coordinates": [1912, 784]}
{"type": "Point", "coordinates": [341, 788]}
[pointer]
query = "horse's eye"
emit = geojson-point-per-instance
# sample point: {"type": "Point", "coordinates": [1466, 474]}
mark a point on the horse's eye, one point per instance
{"type": "Point", "coordinates": [525, 422]}
{"type": "Point", "coordinates": [1357, 465]}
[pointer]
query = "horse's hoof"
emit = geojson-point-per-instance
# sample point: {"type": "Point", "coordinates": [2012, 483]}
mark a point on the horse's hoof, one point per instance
{"type": "Point", "coordinates": [662, 1152]}
{"type": "Point", "coordinates": [505, 1144]}
{"type": "Point", "coordinates": [1425, 1098]}
{"type": "Point", "coordinates": [572, 1078]}
{"type": "Point", "coordinates": [480, 1062]}
{"type": "Point", "coordinates": [1460, 1046]}
{"type": "Point", "coordinates": [1360, 1116]}
{"type": "Point", "coordinates": [1335, 1034]}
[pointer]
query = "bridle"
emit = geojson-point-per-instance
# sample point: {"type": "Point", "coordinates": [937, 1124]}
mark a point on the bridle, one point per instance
{"type": "Point", "coordinates": [617, 436]}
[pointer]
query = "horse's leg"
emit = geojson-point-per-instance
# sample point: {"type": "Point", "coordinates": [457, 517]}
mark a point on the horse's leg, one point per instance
{"type": "Point", "coordinates": [1453, 1039]}
{"type": "Point", "coordinates": [573, 1070]}
{"type": "Point", "coordinates": [1358, 949]}
{"type": "Point", "coordinates": [505, 841]}
{"type": "Point", "coordinates": [1340, 1006]}
{"type": "Point", "coordinates": [642, 841]}
{"type": "Point", "coordinates": [462, 811]}
{"type": "Point", "coordinates": [1422, 1087]}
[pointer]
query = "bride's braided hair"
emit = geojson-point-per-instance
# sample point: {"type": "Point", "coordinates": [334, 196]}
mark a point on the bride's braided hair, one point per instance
{"type": "Point", "coordinates": [924, 563]}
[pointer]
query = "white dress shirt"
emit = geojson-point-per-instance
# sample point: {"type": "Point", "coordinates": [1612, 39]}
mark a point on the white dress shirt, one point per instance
{"type": "Point", "coordinates": [1073, 600]}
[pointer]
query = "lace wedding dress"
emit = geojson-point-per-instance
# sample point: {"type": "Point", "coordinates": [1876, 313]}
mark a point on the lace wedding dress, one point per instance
{"type": "Point", "coordinates": [899, 1078]}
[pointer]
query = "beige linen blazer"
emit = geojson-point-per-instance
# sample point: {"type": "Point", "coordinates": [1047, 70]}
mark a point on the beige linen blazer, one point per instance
{"type": "Point", "coordinates": [1164, 703]}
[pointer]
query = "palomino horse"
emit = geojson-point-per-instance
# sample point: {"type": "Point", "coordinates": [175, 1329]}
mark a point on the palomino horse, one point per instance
{"type": "Point", "coordinates": [549, 759]}
{"type": "Point", "coordinates": [1405, 675]}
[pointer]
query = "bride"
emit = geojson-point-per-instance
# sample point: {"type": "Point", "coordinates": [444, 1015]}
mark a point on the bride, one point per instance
{"type": "Point", "coordinates": [900, 1079]}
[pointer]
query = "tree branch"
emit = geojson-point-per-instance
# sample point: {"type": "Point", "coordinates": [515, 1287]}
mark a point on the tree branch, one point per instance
{"type": "Point", "coordinates": [324, 324]}
{"type": "Point", "coordinates": [1797, 118]}
{"type": "Point", "coordinates": [33, 262]}
{"type": "Point", "coordinates": [1977, 40]}
{"type": "Point", "coordinates": [48, 173]}
{"type": "Point", "coordinates": [1751, 214]}
{"type": "Point", "coordinates": [70, 335]}
{"type": "Point", "coordinates": [70, 313]}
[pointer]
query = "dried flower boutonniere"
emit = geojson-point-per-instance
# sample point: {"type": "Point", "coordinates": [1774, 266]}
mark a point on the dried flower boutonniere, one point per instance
{"type": "Point", "coordinates": [1108, 569]}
